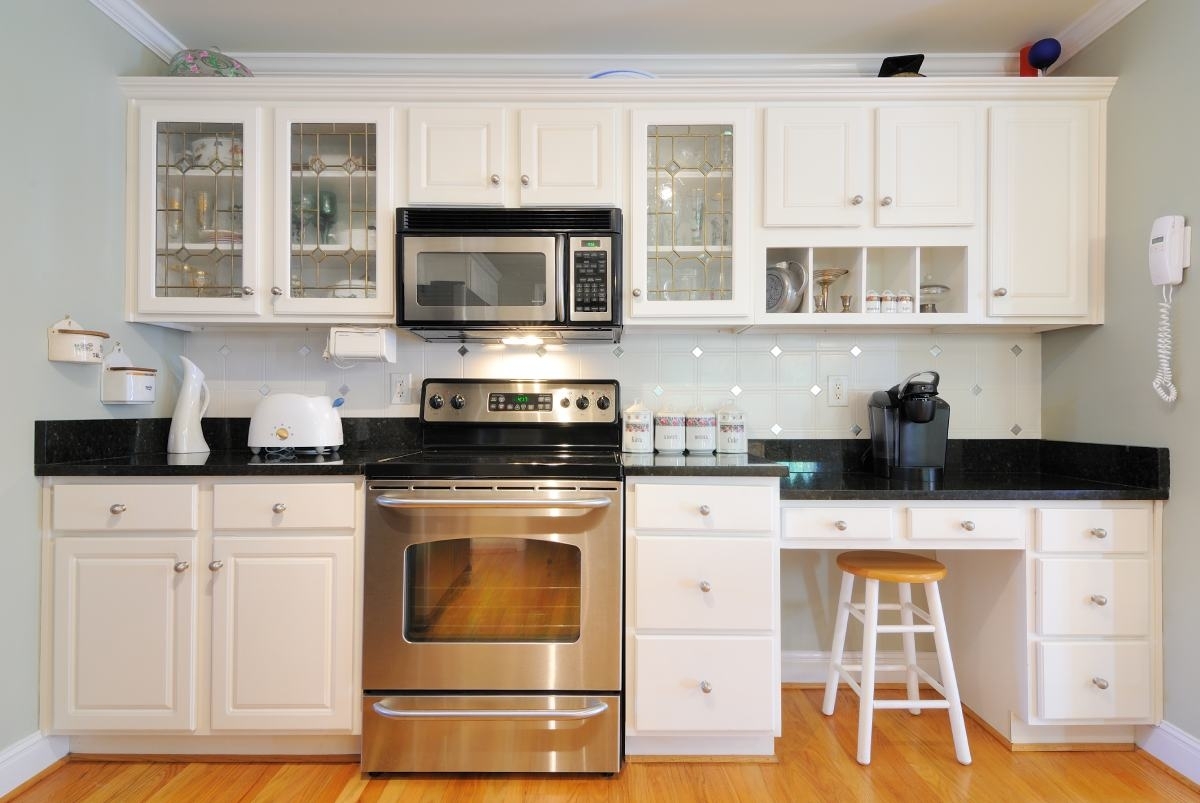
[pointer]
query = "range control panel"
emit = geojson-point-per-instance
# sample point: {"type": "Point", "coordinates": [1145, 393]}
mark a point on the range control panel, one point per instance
{"type": "Point", "coordinates": [532, 401]}
{"type": "Point", "coordinates": [591, 278]}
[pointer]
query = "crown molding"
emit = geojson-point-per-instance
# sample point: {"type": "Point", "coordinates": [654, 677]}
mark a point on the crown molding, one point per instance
{"type": "Point", "coordinates": [1091, 26]}
{"type": "Point", "coordinates": [141, 26]}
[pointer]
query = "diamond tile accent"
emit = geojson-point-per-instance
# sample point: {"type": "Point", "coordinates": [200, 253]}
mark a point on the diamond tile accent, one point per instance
{"type": "Point", "coordinates": [976, 390]}
{"type": "Point", "coordinates": [658, 391]}
{"type": "Point", "coordinates": [815, 390]}
{"type": "Point", "coordinates": [936, 351]}
{"type": "Point", "coordinates": [776, 429]}
{"type": "Point", "coordinates": [618, 351]}
{"type": "Point", "coordinates": [263, 390]}
{"type": "Point", "coordinates": [304, 351]}
{"type": "Point", "coordinates": [736, 390]}
{"type": "Point", "coordinates": [1016, 350]}
{"type": "Point", "coordinates": [855, 429]}
{"type": "Point", "coordinates": [776, 351]}
{"type": "Point", "coordinates": [343, 390]}
{"type": "Point", "coordinates": [855, 351]}
{"type": "Point", "coordinates": [706, 168]}
{"type": "Point", "coordinates": [317, 164]}
{"type": "Point", "coordinates": [463, 351]}
{"type": "Point", "coordinates": [696, 352]}
{"type": "Point", "coordinates": [225, 351]}
{"type": "Point", "coordinates": [673, 168]}
{"type": "Point", "coordinates": [1016, 429]}
{"type": "Point", "coordinates": [541, 351]}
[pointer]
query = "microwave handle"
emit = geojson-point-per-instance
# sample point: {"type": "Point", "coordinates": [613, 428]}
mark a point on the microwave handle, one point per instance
{"type": "Point", "coordinates": [563, 275]}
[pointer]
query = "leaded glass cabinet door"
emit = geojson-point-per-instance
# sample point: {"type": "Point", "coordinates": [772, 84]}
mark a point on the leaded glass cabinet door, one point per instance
{"type": "Point", "coordinates": [197, 210]}
{"type": "Point", "coordinates": [333, 241]}
{"type": "Point", "coordinates": [689, 218]}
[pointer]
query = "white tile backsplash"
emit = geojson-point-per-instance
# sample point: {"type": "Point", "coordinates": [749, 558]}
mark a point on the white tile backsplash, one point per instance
{"type": "Point", "coordinates": [774, 387]}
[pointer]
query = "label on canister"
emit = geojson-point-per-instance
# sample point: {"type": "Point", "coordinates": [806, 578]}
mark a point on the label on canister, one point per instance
{"type": "Point", "coordinates": [637, 432]}
{"type": "Point", "coordinates": [731, 432]}
{"type": "Point", "coordinates": [701, 432]}
{"type": "Point", "coordinates": [669, 432]}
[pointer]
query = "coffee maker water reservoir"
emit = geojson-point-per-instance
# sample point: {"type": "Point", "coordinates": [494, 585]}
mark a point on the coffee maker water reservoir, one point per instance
{"type": "Point", "coordinates": [909, 427]}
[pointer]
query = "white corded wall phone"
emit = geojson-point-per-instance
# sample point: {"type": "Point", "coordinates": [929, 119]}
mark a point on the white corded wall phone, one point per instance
{"type": "Point", "coordinates": [1170, 253]}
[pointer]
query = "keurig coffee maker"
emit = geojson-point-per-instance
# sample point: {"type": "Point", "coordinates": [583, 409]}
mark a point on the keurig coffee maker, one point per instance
{"type": "Point", "coordinates": [909, 426]}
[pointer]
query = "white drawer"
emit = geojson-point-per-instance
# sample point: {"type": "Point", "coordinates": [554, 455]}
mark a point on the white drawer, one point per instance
{"type": "Point", "coordinates": [1093, 597]}
{"type": "Point", "coordinates": [1075, 530]}
{"type": "Point", "coordinates": [286, 506]}
{"type": "Point", "coordinates": [672, 573]}
{"type": "Point", "coordinates": [1071, 674]}
{"type": "Point", "coordinates": [966, 524]}
{"type": "Point", "coordinates": [716, 508]}
{"type": "Point", "coordinates": [842, 523]}
{"type": "Point", "coordinates": [668, 679]}
{"type": "Point", "coordinates": [124, 508]}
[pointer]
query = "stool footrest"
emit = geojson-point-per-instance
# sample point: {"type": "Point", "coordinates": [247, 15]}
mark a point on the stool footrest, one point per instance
{"type": "Point", "coordinates": [911, 704]}
{"type": "Point", "coordinates": [904, 628]}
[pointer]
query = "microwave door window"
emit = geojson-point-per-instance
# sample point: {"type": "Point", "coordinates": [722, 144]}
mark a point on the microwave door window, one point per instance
{"type": "Point", "coordinates": [501, 284]}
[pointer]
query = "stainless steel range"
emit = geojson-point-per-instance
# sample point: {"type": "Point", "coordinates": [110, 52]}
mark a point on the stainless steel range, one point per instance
{"type": "Point", "coordinates": [493, 590]}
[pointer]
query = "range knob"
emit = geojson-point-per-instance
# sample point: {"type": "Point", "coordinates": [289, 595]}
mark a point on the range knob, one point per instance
{"type": "Point", "coordinates": [582, 402]}
{"type": "Point", "coordinates": [457, 401]}
{"type": "Point", "coordinates": [603, 402]}
{"type": "Point", "coordinates": [565, 402]}
{"type": "Point", "coordinates": [435, 401]}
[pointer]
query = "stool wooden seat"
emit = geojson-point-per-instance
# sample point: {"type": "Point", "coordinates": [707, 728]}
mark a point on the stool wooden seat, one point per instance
{"type": "Point", "coordinates": [903, 569]}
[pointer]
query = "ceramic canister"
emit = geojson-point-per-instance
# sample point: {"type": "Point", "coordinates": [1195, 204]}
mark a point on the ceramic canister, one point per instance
{"type": "Point", "coordinates": [731, 431]}
{"type": "Point", "coordinates": [701, 434]}
{"type": "Point", "coordinates": [669, 429]}
{"type": "Point", "coordinates": [637, 430]}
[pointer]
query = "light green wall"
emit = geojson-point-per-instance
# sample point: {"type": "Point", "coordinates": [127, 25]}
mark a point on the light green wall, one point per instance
{"type": "Point", "coordinates": [1096, 381]}
{"type": "Point", "coordinates": [62, 225]}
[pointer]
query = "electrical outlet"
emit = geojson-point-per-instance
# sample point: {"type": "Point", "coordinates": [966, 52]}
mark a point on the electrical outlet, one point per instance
{"type": "Point", "coordinates": [839, 392]}
{"type": "Point", "coordinates": [402, 389]}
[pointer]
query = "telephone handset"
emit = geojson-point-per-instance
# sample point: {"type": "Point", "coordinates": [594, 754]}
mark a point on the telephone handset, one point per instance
{"type": "Point", "coordinates": [1170, 253]}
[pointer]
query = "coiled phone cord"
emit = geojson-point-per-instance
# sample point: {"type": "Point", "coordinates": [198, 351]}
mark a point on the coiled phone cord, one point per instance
{"type": "Point", "coordinates": [1163, 385]}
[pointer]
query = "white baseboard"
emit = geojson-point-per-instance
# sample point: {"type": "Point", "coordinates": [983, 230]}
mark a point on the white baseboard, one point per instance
{"type": "Point", "coordinates": [1177, 749]}
{"type": "Point", "coordinates": [800, 666]}
{"type": "Point", "coordinates": [26, 758]}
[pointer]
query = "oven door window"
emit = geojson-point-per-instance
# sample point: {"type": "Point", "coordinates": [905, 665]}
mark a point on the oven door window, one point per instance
{"type": "Point", "coordinates": [492, 590]}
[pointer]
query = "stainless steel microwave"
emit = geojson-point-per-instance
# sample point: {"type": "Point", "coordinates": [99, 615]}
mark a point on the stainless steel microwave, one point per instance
{"type": "Point", "coordinates": [470, 274]}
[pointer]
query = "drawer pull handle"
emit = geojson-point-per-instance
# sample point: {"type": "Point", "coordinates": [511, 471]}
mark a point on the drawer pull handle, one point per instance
{"type": "Point", "coordinates": [1000, 292]}
{"type": "Point", "coordinates": [524, 181]}
{"type": "Point", "coordinates": [841, 525]}
{"type": "Point", "coordinates": [886, 201]}
{"type": "Point", "coordinates": [495, 179]}
{"type": "Point", "coordinates": [278, 507]}
{"type": "Point", "coordinates": [1099, 532]}
{"type": "Point", "coordinates": [705, 586]}
{"type": "Point", "coordinates": [216, 566]}
{"type": "Point", "coordinates": [1101, 683]}
{"type": "Point", "coordinates": [706, 687]}
{"type": "Point", "coordinates": [968, 525]}
{"type": "Point", "coordinates": [856, 200]}
{"type": "Point", "coordinates": [182, 566]}
{"type": "Point", "coordinates": [116, 509]}
{"type": "Point", "coordinates": [1100, 599]}
{"type": "Point", "coordinates": [705, 510]}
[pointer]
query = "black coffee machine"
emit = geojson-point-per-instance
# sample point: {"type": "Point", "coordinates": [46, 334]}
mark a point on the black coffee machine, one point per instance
{"type": "Point", "coordinates": [909, 426]}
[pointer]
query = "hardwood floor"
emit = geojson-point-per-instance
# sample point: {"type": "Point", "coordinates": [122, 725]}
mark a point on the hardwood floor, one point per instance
{"type": "Point", "coordinates": [912, 760]}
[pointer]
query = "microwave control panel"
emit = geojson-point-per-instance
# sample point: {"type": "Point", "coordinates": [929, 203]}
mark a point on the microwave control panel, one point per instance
{"type": "Point", "coordinates": [591, 279]}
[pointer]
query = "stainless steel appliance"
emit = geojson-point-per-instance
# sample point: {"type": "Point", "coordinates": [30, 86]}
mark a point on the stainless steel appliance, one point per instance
{"type": "Point", "coordinates": [492, 609]}
{"type": "Point", "coordinates": [488, 274]}
{"type": "Point", "coordinates": [910, 424]}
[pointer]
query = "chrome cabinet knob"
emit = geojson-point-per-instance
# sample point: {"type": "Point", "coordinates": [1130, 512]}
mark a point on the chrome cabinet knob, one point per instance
{"type": "Point", "coordinates": [278, 507]}
{"type": "Point", "coordinates": [1000, 292]}
{"type": "Point", "coordinates": [524, 181]}
{"type": "Point", "coordinates": [841, 525]}
{"type": "Point", "coordinates": [969, 526]}
{"type": "Point", "coordinates": [1101, 683]}
{"type": "Point", "coordinates": [276, 291]}
{"type": "Point", "coordinates": [495, 179]}
{"type": "Point", "coordinates": [1100, 599]}
{"type": "Point", "coordinates": [216, 565]}
{"type": "Point", "coordinates": [1099, 532]}
{"type": "Point", "coordinates": [637, 292]}
{"type": "Point", "coordinates": [705, 510]}
{"type": "Point", "coordinates": [247, 291]}
{"type": "Point", "coordinates": [705, 586]}
{"type": "Point", "coordinates": [116, 509]}
{"type": "Point", "coordinates": [182, 566]}
{"type": "Point", "coordinates": [706, 687]}
{"type": "Point", "coordinates": [856, 200]}
{"type": "Point", "coordinates": [886, 201]}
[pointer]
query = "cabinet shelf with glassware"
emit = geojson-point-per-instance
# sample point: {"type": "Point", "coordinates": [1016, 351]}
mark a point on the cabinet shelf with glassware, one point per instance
{"type": "Point", "coordinates": [690, 238]}
{"type": "Point", "coordinates": [215, 243]}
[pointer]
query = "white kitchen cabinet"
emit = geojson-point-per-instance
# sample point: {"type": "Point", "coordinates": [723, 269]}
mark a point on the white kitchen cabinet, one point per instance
{"type": "Point", "coordinates": [559, 156]}
{"type": "Point", "coordinates": [702, 602]}
{"type": "Point", "coordinates": [689, 233]}
{"type": "Point", "coordinates": [1045, 201]}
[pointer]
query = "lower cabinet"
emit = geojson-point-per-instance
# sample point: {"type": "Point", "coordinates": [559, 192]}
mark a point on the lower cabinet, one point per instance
{"type": "Point", "coordinates": [702, 613]}
{"type": "Point", "coordinates": [237, 615]}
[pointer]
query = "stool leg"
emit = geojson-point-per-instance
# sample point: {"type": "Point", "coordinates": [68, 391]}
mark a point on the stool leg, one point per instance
{"type": "Point", "coordinates": [958, 726]}
{"type": "Point", "coordinates": [909, 640]}
{"type": "Point", "coordinates": [866, 701]}
{"type": "Point", "coordinates": [839, 643]}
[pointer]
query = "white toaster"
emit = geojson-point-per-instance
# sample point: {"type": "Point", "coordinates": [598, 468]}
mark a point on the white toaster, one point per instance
{"type": "Point", "coordinates": [295, 421]}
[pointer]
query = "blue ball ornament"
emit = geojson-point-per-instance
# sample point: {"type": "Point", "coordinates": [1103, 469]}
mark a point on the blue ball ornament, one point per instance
{"type": "Point", "coordinates": [1044, 52]}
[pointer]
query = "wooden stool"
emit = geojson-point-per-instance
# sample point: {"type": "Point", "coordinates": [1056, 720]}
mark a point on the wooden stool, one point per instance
{"type": "Point", "coordinates": [893, 567]}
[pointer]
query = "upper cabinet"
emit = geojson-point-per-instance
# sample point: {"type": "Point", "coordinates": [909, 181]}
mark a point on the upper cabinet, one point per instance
{"type": "Point", "coordinates": [820, 168]}
{"type": "Point", "coordinates": [552, 156]}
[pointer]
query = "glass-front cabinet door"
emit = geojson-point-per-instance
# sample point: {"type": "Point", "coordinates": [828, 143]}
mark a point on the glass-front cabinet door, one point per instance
{"type": "Point", "coordinates": [689, 224]}
{"type": "Point", "coordinates": [197, 210]}
{"type": "Point", "coordinates": [333, 238]}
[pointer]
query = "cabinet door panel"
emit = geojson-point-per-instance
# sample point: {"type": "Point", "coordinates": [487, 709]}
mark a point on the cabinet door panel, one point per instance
{"type": "Point", "coordinates": [568, 157]}
{"type": "Point", "coordinates": [453, 154]}
{"type": "Point", "coordinates": [927, 163]}
{"type": "Point", "coordinates": [1094, 680]}
{"type": "Point", "coordinates": [815, 163]}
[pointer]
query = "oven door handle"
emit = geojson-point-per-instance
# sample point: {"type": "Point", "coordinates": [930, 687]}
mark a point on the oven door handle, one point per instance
{"type": "Point", "coordinates": [443, 504]}
{"type": "Point", "coordinates": [589, 712]}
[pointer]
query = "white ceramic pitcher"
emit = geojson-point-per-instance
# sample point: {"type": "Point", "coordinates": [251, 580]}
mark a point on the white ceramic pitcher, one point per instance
{"type": "Point", "coordinates": [185, 435]}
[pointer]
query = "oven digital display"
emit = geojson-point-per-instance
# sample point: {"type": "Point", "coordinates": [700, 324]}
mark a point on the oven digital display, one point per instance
{"type": "Point", "coordinates": [532, 402]}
